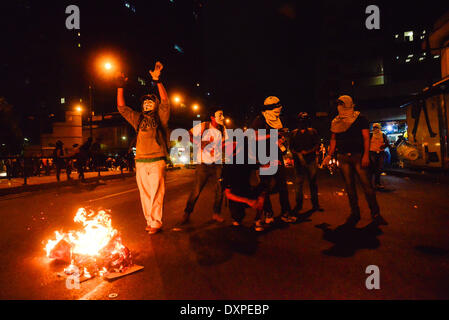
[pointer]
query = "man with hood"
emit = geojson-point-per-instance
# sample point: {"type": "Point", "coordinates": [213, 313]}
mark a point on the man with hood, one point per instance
{"type": "Point", "coordinates": [269, 118]}
{"type": "Point", "coordinates": [151, 147]}
{"type": "Point", "coordinates": [350, 138]}
{"type": "Point", "coordinates": [304, 145]}
{"type": "Point", "coordinates": [209, 137]}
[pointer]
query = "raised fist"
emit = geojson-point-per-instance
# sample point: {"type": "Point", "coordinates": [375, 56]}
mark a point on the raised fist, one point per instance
{"type": "Point", "coordinates": [157, 71]}
{"type": "Point", "coordinates": [120, 79]}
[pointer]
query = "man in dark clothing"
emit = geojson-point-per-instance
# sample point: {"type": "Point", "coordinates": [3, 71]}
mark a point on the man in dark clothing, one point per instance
{"type": "Point", "coordinates": [350, 138]}
{"type": "Point", "coordinates": [378, 143]}
{"type": "Point", "coordinates": [58, 158]}
{"type": "Point", "coordinates": [304, 143]}
{"type": "Point", "coordinates": [269, 119]}
{"type": "Point", "coordinates": [82, 156]}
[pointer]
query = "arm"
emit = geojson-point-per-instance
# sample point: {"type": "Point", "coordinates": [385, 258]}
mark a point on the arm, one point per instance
{"type": "Point", "coordinates": [164, 108]}
{"type": "Point", "coordinates": [129, 114]}
{"type": "Point", "coordinates": [332, 146]}
{"type": "Point", "coordinates": [366, 142]}
{"type": "Point", "coordinates": [257, 204]}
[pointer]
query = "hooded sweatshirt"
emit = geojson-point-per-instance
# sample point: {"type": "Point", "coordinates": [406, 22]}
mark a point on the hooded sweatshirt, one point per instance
{"type": "Point", "coordinates": [152, 131]}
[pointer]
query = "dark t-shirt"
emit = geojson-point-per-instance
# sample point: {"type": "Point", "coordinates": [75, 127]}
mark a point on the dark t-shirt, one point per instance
{"type": "Point", "coordinates": [351, 141]}
{"type": "Point", "coordinates": [260, 123]}
{"type": "Point", "coordinates": [306, 140]}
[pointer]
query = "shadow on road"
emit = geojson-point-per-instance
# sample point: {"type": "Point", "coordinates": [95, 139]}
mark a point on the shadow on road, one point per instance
{"type": "Point", "coordinates": [347, 239]}
{"type": "Point", "coordinates": [217, 245]}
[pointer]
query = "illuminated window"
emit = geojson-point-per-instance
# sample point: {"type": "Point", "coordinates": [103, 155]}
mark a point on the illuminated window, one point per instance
{"type": "Point", "coordinates": [79, 34]}
{"type": "Point", "coordinates": [407, 60]}
{"type": "Point", "coordinates": [410, 56]}
{"type": "Point", "coordinates": [424, 32]}
{"type": "Point", "coordinates": [178, 48]}
{"type": "Point", "coordinates": [396, 36]}
{"type": "Point", "coordinates": [422, 37]}
{"type": "Point", "coordinates": [421, 58]}
{"type": "Point", "coordinates": [408, 35]}
{"type": "Point", "coordinates": [436, 57]}
{"type": "Point", "coordinates": [397, 57]}
{"type": "Point", "coordinates": [127, 4]}
{"type": "Point", "coordinates": [79, 45]}
{"type": "Point", "coordinates": [62, 100]}
{"type": "Point", "coordinates": [141, 81]}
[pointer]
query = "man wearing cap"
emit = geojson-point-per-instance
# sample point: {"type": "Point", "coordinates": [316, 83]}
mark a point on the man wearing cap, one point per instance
{"type": "Point", "coordinates": [304, 144]}
{"type": "Point", "coordinates": [269, 119]}
{"type": "Point", "coordinates": [350, 138]}
{"type": "Point", "coordinates": [378, 143]}
{"type": "Point", "coordinates": [151, 147]}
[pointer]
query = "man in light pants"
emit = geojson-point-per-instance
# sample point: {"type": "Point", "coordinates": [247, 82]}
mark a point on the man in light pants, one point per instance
{"type": "Point", "coordinates": [151, 147]}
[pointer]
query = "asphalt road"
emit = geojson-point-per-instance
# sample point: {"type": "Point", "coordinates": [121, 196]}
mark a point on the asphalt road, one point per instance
{"type": "Point", "coordinates": [311, 259]}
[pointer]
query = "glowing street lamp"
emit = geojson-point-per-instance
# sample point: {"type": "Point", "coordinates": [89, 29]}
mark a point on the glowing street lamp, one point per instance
{"type": "Point", "coordinates": [177, 99]}
{"type": "Point", "coordinates": [195, 107]}
{"type": "Point", "coordinates": [228, 120]}
{"type": "Point", "coordinates": [79, 108]}
{"type": "Point", "coordinates": [108, 66]}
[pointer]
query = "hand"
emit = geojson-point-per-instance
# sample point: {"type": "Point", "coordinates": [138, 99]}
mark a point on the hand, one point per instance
{"type": "Point", "coordinates": [157, 71]}
{"type": "Point", "coordinates": [120, 79]}
{"type": "Point", "coordinates": [365, 161]}
{"type": "Point", "coordinates": [252, 203]}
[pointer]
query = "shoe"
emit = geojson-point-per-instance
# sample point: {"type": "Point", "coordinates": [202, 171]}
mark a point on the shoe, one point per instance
{"type": "Point", "coordinates": [352, 220]}
{"type": "Point", "coordinates": [217, 218]}
{"type": "Point", "coordinates": [154, 230]}
{"type": "Point", "coordinates": [378, 219]}
{"type": "Point", "coordinates": [288, 218]}
{"type": "Point", "coordinates": [269, 220]}
{"type": "Point", "coordinates": [235, 223]}
{"type": "Point", "coordinates": [258, 226]}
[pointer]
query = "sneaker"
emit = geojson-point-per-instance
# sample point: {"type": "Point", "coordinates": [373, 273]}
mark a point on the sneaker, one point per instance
{"type": "Point", "coordinates": [378, 219]}
{"type": "Point", "coordinates": [269, 220]}
{"type": "Point", "coordinates": [217, 218]}
{"type": "Point", "coordinates": [288, 218]}
{"type": "Point", "coordinates": [258, 226]}
{"type": "Point", "coordinates": [154, 230]}
{"type": "Point", "coordinates": [235, 223]}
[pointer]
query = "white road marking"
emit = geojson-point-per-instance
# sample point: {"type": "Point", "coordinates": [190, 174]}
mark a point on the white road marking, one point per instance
{"type": "Point", "coordinates": [113, 195]}
{"type": "Point", "coordinates": [88, 295]}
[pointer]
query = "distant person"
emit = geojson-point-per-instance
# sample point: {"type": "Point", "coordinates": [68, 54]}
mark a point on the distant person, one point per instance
{"type": "Point", "coordinates": [59, 161]}
{"type": "Point", "coordinates": [304, 145]}
{"type": "Point", "coordinates": [97, 156]}
{"type": "Point", "coordinates": [209, 160]}
{"type": "Point", "coordinates": [151, 125]}
{"type": "Point", "coordinates": [350, 138]}
{"type": "Point", "coordinates": [269, 118]}
{"type": "Point", "coordinates": [378, 143]}
{"type": "Point", "coordinates": [82, 157]}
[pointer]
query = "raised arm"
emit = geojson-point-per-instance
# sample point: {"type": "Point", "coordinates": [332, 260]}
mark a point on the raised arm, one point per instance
{"type": "Point", "coordinates": [164, 108]}
{"type": "Point", "coordinates": [129, 114]}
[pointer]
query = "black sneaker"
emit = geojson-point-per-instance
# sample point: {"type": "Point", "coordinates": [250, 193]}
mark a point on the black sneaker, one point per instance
{"type": "Point", "coordinates": [378, 219]}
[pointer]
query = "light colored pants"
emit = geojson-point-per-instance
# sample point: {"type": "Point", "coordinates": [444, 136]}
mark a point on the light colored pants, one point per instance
{"type": "Point", "coordinates": [151, 182]}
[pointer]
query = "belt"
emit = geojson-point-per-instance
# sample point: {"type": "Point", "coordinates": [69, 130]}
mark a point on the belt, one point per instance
{"type": "Point", "coordinates": [152, 159]}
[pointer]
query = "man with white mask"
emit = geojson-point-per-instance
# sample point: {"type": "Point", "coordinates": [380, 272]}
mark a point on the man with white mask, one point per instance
{"type": "Point", "coordinates": [151, 147]}
{"type": "Point", "coordinates": [209, 138]}
{"type": "Point", "coordinates": [350, 138]}
{"type": "Point", "coordinates": [379, 142]}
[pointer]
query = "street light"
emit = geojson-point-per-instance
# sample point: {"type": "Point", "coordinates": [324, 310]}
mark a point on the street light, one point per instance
{"type": "Point", "coordinates": [177, 99]}
{"type": "Point", "coordinates": [79, 108]}
{"type": "Point", "coordinates": [195, 107]}
{"type": "Point", "coordinates": [228, 120]}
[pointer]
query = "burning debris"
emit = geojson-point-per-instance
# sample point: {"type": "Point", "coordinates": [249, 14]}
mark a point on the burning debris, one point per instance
{"type": "Point", "coordinates": [96, 250]}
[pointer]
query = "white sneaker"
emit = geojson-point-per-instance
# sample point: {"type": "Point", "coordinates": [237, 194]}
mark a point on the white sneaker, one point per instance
{"type": "Point", "coordinates": [235, 223]}
{"type": "Point", "coordinates": [258, 226]}
{"type": "Point", "coordinates": [269, 220]}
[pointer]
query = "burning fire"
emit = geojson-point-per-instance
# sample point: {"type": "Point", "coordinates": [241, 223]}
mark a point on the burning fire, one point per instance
{"type": "Point", "coordinates": [95, 250]}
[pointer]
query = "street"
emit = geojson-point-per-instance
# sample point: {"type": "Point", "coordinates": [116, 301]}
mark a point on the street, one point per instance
{"type": "Point", "coordinates": [305, 260]}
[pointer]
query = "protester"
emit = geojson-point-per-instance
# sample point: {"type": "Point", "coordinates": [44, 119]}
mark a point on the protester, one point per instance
{"type": "Point", "coordinates": [151, 147]}
{"type": "Point", "coordinates": [238, 189]}
{"type": "Point", "coordinates": [378, 143]}
{"type": "Point", "coordinates": [350, 138]}
{"type": "Point", "coordinates": [97, 156]}
{"type": "Point", "coordinates": [82, 155]}
{"type": "Point", "coordinates": [58, 158]}
{"type": "Point", "coordinates": [268, 119]}
{"type": "Point", "coordinates": [304, 145]}
{"type": "Point", "coordinates": [209, 138]}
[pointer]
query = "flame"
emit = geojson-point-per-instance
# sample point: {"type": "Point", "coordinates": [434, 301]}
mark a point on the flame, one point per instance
{"type": "Point", "coordinates": [97, 247]}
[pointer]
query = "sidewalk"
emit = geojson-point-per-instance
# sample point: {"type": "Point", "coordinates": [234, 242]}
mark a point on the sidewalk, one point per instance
{"type": "Point", "coordinates": [16, 185]}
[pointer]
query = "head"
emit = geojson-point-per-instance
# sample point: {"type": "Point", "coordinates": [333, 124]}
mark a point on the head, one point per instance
{"type": "Point", "coordinates": [149, 102]}
{"type": "Point", "coordinates": [303, 120]}
{"type": "Point", "coordinates": [59, 144]}
{"type": "Point", "coordinates": [345, 105]}
{"type": "Point", "coordinates": [272, 103]}
{"type": "Point", "coordinates": [217, 117]}
{"type": "Point", "coordinates": [377, 127]}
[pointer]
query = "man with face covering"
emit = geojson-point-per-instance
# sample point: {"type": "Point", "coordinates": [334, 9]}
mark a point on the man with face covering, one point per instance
{"type": "Point", "coordinates": [209, 137]}
{"type": "Point", "coordinates": [379, 142]}
{"type": "Point", "coordinates": [304, 144]}
{"type": "Point", "coordinates": [151, 147]}
{"type": "Point", "coordinates": [350, 138]}
{"type": "Point", "coordinates": [269, 119]}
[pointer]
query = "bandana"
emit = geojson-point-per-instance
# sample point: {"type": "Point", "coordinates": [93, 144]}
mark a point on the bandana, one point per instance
{"type": "Point", "coordinates": [346, 115]}
{"type": "Point", "coordinates": [272, 119]}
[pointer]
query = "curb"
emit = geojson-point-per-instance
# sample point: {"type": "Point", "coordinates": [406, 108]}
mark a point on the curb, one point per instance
{"type": "Point", "coordinates": [426, 176]}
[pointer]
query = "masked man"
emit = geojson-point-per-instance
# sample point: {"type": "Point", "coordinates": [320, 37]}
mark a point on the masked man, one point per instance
{"type": "Point", "coordinates": [209, 138]}
{"type": "Point", "coordinates": [269, 119]}
{"type": "Point", "coordinates": [350, 138]}
{"type": "Point", "coordinates": [378, 143]}
{"type": "Point", "coordinates": [304, 144]}
{"type": "Point", "coordinates": [151, 147]}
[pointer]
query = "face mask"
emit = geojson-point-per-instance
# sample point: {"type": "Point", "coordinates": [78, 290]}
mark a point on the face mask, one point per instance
{"type": "Point", "coordinates": [148, 105]}
{"type": "Point", "coordinates": [219, 118]}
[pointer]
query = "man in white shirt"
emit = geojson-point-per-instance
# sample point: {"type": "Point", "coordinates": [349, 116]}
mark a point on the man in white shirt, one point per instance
{"type": "Point", "coordinates": [208, 139]}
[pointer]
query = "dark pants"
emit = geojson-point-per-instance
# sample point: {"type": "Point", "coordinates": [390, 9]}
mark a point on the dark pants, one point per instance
{"type": "Point", "coordinates": [276, 183]}
{"type": "Point", "coordinates": [61, 164]}
{"type": "Point", "coordinates": [377, 164]}
{"type": "Point", "coordinates": [350, 166]}
{"type": "Point", "coordinates": [304, 170]}
{"type": "Point", "coordinates": [202, 173]}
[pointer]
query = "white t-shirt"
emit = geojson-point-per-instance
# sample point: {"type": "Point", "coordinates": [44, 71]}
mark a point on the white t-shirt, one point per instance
{"type": "Point", "coordinates": [212, 152]}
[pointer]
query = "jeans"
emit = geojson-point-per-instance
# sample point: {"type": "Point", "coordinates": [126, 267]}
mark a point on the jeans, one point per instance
{"type": "Point", "coordinates": [350, 166]}
{"type": "Point", "coordinates": [277, 181]}
{"type": "Point", "coordinates": [304, 170]}
{"type": "Point", "coordinates": [202, 173]}
{"type": "Point", "coordinates": [377, 163]}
